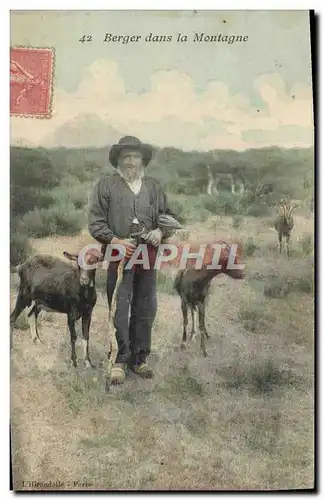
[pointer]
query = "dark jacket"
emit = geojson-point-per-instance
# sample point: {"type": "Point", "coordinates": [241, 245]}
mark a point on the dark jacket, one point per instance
{"type": "Point", "coordinates": [113, 206]}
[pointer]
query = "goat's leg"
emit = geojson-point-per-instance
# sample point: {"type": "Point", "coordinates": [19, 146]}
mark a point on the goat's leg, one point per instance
{"type": "Point", "coordinates": [280, 242]}
{"type": "Point", "coordinates": [203, 317]}
{"type": "Point", "coordinates": [21, 303]}
{"type": "Point", "coordinates": [193, 328]}
{"type": "Point", "coordinates": [73, 335]}
{"type": "Point", "coordinates": [202, 327]}
{"type": "Point", "coordinates": [287, 244]}
{"type": "Point", "coordinates": [86, 321]}
{"type": "Point", "coordinates": [184, 308]}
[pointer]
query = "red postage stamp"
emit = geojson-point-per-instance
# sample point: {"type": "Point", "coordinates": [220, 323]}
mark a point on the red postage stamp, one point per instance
{"type": "Point", "coordinates": [31, 77]}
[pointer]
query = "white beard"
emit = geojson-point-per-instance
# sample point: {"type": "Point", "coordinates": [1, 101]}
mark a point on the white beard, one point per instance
{"type": "Point", "coordinates": [133, 179]}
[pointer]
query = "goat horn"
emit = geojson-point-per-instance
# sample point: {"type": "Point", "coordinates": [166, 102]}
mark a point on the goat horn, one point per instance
{"type": "Point", "coordinates": [291, 209]}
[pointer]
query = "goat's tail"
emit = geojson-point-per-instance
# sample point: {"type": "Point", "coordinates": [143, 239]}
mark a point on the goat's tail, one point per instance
{"type": "Point", "coordinates": [33, 311]}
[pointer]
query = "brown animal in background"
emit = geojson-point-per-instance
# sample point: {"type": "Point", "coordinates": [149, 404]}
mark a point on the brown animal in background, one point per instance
{"type": "Point", "coordinates": [193, 285]}
{"type": "Point", "coordinates": [284, 224]}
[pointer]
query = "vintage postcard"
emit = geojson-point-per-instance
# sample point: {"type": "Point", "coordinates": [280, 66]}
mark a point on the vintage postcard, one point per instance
{"type": "Point", "coordinates": [162, 250]}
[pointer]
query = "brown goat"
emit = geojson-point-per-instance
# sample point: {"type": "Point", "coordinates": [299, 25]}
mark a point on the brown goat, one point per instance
{"type": "Point", "coordinates": [193, 285]}
{"type": "Point", "coordinates": [284, 224]}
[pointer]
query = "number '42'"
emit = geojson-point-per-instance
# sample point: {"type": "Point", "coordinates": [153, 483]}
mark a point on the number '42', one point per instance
{"type": "Point", "coordinates": [86, 38]}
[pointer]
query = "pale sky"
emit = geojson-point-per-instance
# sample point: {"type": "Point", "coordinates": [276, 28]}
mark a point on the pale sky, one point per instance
{"type": "Point", "coordinates": [188, 95]}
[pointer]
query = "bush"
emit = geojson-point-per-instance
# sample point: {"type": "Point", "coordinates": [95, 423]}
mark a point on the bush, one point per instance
{"type": "Point", "coordinates": [20, 248]}
{"type": "Point", "coordinates": [306, 243]}
{"type": "Point", "coordinates": [23, 199]}
{"type": "Point", "coordinates": [76, 193]}
{"type": "Point", "coordinates": [252, 318]}
{"type": "Point", "coordinates": [181, 386]}
{"type": "Point", "coordinates": [261, 377]}
{"type": "Point", "coordinates": [178, 209]}
{"type": "Point", "coordinates": [236, 221]}
{"type": "Point", "coordinates": [276, 287]}
{"type": "Point", "coordinates": [197, 213]}
{"type": "Point", "coordinates": [250, 247]}
{"type": "Point", "coordinates": [304, 284]}
{"type": "Point", "coordinates": [62, 220]}
{"type": "Point", "coordinates": [280, 286]}
{"type": "Point", "coordinates": [68, 220]}
{"type": "Point", "coordinates": [186, 186]}
{"type": "Point", "coordinates": [32, 167]}
{"type": "Point", "coordinates": [257, 210]}
{"type": "Point", "coordinates": [224, 203]}
{"type": "Point", "coordinates": [32, 174]}
{"type": "Point", "coordinates": [188, 208]}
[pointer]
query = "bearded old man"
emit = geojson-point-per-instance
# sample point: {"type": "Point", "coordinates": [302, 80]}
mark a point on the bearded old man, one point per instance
{"type": "Point", "coordinates": [123, 201]}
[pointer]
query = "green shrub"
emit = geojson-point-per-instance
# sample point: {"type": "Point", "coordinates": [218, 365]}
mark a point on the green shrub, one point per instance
{"type": "Point", "coordinates": [257, 210]}
{"type": "Point", "coordinates": [20, 248]}
{"type": "Point", "coordinates": [197, 213]}
{"type": "Point", "coordinates": [250, 247]}
{"type": "Point", "coordinates": [279, 286]}
{"type": "Point", "coordinates": [306, 243]}
{"type": "Point", "coordinates": [212, 204]}
{"type": "Point", "coordinates": [75, 194]}
{"type": "Point", "coordinates": [224, 203]}
{"type": "Point", "coordinates": [24, 199]}
{"type": "Point", "coordinates": [63, 219]}
{"type": "Point", "coordinates": [261, 377]}
{"type": "Point", "coordinates": [32, 175]}
{"type": "Point", "coordinates": [182, 386]}
{"type": "Point", "coordinates": [68, 220]}
{"type": "Point", "coordinates": [177, 207]}
{"type": "Point", "coordinates": [37, 223]}
{"type": "Point", "coordinates": [304, 284]}
{"type": "Point", "coordinates": [236, 221]}
{"type": "Point", "coordinates": [252, 318]}
{"type": "Point", "coordinates": [188, 208]}
{"type": "Point", "coordinates": [185, 186]}
{"type": "Point", "coordinates": [276, 287]}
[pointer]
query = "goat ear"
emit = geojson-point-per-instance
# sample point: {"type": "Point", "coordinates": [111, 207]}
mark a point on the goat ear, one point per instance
{"type": "Point", "coordinates": [70, 256]}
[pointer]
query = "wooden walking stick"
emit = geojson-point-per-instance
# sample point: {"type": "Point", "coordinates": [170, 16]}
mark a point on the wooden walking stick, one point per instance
{"type": "Point", "coordinates": [135, 238]}
{"type": "Point", "coordinates": [164, 222]}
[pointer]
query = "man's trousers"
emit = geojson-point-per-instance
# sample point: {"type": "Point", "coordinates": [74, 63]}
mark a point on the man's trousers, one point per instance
{"type": "Point", "coordinates": [136, 306]}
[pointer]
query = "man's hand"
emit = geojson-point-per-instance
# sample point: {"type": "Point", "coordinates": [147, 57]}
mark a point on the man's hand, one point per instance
{"type": "Point", "coordinates": [127, 243]}
{"type": "Point", "coordinates": [154, 237]}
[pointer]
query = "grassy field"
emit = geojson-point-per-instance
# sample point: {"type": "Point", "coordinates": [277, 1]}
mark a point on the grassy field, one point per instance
{"type": "Point", "coordinates": [240, 419]}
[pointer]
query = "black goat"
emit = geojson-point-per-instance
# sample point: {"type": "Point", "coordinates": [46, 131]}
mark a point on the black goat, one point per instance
{"type": "Point", "coordinates": [54, 285]}
{"type": "Point", "coordinates": [193, 285]}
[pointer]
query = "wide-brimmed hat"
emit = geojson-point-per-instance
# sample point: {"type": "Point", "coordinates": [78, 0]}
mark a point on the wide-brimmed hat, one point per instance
{"type": "Point", "coordinates": [132, 143]}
